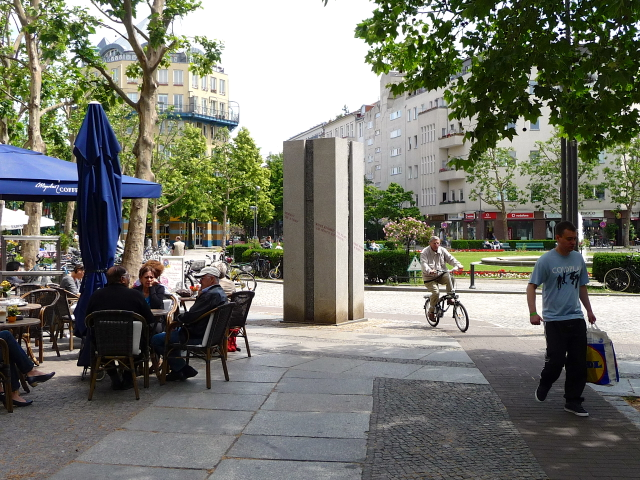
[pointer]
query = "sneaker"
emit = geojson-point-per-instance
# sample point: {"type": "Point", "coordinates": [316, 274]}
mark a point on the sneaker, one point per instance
{"type": "Point", "coordinates": [541, 393]}
{"type": "Point", "coordinates": [432, 316]}
{"type": "Point", "coordinates": [576, 409]}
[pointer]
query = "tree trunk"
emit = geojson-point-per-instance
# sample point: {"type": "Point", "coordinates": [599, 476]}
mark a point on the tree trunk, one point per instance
{"type": "Point", "coordinates": [68, 219]}
{"type": "Point", "coordinates": [154, 222]}
{"type": "Point", "coordinates": [225, 212]}
{"type": "Point", "coordinates": [626, 226]}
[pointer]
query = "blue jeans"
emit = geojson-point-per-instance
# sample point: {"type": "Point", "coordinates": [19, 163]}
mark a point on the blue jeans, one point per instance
{"type": "Point", "coordinates": [17, 358]}
{"type": "Point", "coordinates": [157, 343]}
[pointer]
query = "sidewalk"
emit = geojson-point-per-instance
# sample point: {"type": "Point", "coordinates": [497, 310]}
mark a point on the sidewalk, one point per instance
{"type": "Point", "coordinates": [379, 399]}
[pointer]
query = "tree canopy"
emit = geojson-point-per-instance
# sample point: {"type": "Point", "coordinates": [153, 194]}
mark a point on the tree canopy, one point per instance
{"type": "Point", "coordinates": [577, 58]}
{"type": "Point", "coordinates": [381, 206]}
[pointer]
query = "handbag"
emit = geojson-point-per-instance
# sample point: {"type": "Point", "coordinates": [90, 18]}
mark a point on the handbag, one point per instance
{"type": "Point", "coordinates": [602, 367]}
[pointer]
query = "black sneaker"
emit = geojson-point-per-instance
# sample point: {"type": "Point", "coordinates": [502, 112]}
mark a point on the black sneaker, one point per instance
{"type": "Point", "coordinates": [541, 393]}
{"type": "Point", "coordinates": [576, 409]}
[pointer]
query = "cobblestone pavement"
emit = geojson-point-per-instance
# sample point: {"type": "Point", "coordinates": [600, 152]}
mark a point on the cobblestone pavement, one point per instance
{"type": "Point", "coordinates": [443, 430]}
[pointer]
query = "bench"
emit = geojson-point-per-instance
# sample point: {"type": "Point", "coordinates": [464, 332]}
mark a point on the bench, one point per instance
{"type": "Point", "coordinates": [529, 246]}
{"type": "Point", "coordinates": [505, 246]}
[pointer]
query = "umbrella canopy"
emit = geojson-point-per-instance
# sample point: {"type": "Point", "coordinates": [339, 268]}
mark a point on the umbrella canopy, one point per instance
{"type": "Point", "coordinates": [99, 203]}
{"type": "Point", "coordinates": [33, 177]}
{"type": "Point", "coordinates": [12, 220]}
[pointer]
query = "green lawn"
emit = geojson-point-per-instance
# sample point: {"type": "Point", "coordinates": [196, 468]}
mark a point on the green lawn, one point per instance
{"type": "Point", "coordinates": [467, 257]}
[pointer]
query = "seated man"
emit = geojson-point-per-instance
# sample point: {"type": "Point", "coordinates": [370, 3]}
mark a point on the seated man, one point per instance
{"type": "Point", "coordinates": [117, 295]}
{"type": "Point", "coordinates": [71, 283]}
{"type": "Point", "coordinates": [211, 296]}
{"type": "Point", "coordinates": [14, 267]}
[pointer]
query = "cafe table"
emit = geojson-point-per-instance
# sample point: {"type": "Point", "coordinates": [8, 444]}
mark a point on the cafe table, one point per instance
{"type": "Point", "coordinates": [22, 326]}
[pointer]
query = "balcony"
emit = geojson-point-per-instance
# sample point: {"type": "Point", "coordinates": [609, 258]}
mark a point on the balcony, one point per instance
{"type": "Point", "coordinates": [446, 173]}
{"type": "Point", "coordinates": [209, 116]}
{"type": "Point", "coordinates": [451, 202]}
{"type": "Point", "coordinates": [451, 140]}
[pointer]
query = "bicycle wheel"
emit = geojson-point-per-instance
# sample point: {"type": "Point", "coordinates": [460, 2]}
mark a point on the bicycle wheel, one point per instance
{"type": "Point", "coordinates": [461, 316]}
{"type": "Point", "coordinates": [436, 320]}
{"type": "Point", "coordinates": [617, 279]}
{"type": "Point", "coordinates": [275, 273]}
{"type": "Point", "coordinates": [245, 281]}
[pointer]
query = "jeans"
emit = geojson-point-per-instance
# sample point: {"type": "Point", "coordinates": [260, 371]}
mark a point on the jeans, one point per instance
{"type": "Point", "coordinates": [157, 343]}
{"type": "Point", "coordinates": [566, 347]}
{"type": "Point", "coordinates": [18, 359]}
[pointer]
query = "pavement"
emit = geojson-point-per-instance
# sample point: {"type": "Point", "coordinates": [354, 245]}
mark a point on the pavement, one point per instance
{"type": "Point", "coordinates": [389, 398]}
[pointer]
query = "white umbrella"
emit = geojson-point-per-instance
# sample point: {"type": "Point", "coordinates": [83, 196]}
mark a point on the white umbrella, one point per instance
{"type": "Point", "coordinates": [44, 221]}
{"type": "Point", "coordinates": [12, 220]}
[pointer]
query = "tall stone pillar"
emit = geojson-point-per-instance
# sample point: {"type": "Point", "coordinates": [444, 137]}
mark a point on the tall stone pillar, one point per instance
{"type": "Point", "coordinates": [323, 231]}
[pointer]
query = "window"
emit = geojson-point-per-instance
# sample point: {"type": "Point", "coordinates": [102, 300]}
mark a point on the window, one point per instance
{"type": "Point", "coordinates": [214, 84]}
{"type": "Point", "coordinates": [115, 75]}
{"type": "Point", "coordinates": [377, 132]}
{"type": "Point", "coordinates": [461, 194]}
{"type": "Point", "coordinates": [222, 109]}
{"type": "Point", "coordinates": [360, 125]}
{"type": "Point", "coordinates": [444, 197]}
{"type": "Point", "coordinates": [377, 149]}
{"type": "Point", "coordinates": [195, 105]}
{"type": "Point", "coordinates": [408, 115]}
{"type": "Point", "coordinates": [377, 114]}
{"type": "Point", "coordinates": [342, 131]}
{"type": "Point", "coordinates": [204, 83]}
{"type": "Point", "coordinates": [415, 113]}
{"type": "Point", "coordinates": [396, 114]}
{"type": "Point", "coordinates": [415, 171]}
{"type": "Point", "coordinates": [395, 170]}
{"type": "Point", "coordinates": [178, 77]}
{"type": "Point", "coordinates": [163, 102]}
{"type": "Point", "coordinates": [534, 157]}
{"type": "Point", "coordinates": [594, 192]}
{"type": "Point", "coordinates": [602, 157]}
{"type": "Point", "coordinates": [370, 141]}
{"type": "Point", "coordinates": [453, 195]}
{"type": "Point", "coordinates": [132, 80]}
{"type": "Point", "coordinates": [535, 125]}
{"type": "Point", "coordinates": [410, 172]}
{"type": "Point", "coordinates": [204, 107]}
{"type": "Point", "coordinates": [370, 158]}
{"type": "Point", "coordinates": [415, 141]}
{"type": "Point", "coordinates": [370, 125]}
{"type": "Point", "coordinates": [396, 133]}
{"type": "Point", "coordinates": [163, 76]}
{"type": "Point", "coordinates": [395, 152]}
{"type": "Point", "coordinates": [444, 131]}
{"type": "Point", "coordinates": [409, 143]}
{"type": "Point", "coordinates": [223, 85]}
{"type": "Point", "coordinates": [214, 107]}
{"type": "Point", "coordinates": [378, 167]}
{"type": "Point", "coordinates": [133, 96]}
{"type": "Point", "coordinates": [511, 126]}
{"type": "Point", "coordinates": [195, 78]}
{"type": "Point", "coordinates": [178, 102]}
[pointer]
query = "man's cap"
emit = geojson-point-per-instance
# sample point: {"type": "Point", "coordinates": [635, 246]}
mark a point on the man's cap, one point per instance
{"type": "Point", "coordinates": [208, 271]}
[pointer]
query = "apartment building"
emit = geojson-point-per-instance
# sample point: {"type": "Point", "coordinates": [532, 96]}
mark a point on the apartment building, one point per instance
{"type": "Point", "coordinates": [203, 101]}
{"type": "Point", "coordinates": [409, 140]}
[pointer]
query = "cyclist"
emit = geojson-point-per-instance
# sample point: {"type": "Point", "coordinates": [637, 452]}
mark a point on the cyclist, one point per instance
{"type": "Point", "coordinates": [434, 258]}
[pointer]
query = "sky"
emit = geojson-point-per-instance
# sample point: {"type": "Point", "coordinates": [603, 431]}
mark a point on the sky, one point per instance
{"type": "Point", "coordinates": [292, 64]}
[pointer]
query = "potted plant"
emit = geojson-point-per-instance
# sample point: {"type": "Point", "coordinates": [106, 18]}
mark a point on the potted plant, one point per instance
{"type": "Point", "coordinates": [6, 286]}
{"type": "Point", "coordinates": [12, 313]}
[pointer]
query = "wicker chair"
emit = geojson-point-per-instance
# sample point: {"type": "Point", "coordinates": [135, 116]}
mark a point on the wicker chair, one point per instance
{"type": "Point", "coordinates": [212, 345]}
{"type": "Point", "coordinates": [238, 321]}
{"type": "Point", "coordinates": [46, 298]}
{"type": "Point", "coordinates": [62, 316]}
{"type": "Point", "coordinates": [23, 288]}
{"type": "Point", "coordinates": [119, 335]}
{"type": "Point", "coordinates": [5, 376]}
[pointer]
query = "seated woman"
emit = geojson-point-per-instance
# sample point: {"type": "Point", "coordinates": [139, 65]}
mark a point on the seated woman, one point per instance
{"type": "Point", "coordinates": [150, 287]}
{"type": "Point", "coordinates": [20, 362]}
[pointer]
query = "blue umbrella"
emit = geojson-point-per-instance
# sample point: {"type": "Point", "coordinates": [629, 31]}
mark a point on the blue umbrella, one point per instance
{"type": "Point", "coordinates": [99, 203]}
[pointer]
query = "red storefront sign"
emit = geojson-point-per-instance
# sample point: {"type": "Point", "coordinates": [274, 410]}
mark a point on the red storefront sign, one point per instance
{"type": "Point", "coordinates": [520, 216]}
{"type": "Point", "coordinates": [469, 217]}
{"type": "Point", "coordinates": [489, 215]}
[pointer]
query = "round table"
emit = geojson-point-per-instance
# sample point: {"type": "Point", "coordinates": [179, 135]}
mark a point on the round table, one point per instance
{"type": "Point", "coordinates": [19, 327]}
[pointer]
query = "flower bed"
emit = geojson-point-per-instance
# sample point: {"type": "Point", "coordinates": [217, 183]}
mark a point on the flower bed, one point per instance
{"type": "Point", "coordinates": [487, 250]}
{"type": "Point", "coordinates": [494, 274]}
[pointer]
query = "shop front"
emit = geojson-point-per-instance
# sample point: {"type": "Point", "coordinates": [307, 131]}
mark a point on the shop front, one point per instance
{"type": "Point", "coordinates": [470, 226]}
{"type": "Point", "coordinates": [489, 220]}
{"type": "Point", "coordinates": [454, 226]}
{"type": "Point", "coordinates": [551, 220]}
{"type": "Point", "coordinates": [593, 223]}
{"type": "Point", "coordinates": [520, 225]}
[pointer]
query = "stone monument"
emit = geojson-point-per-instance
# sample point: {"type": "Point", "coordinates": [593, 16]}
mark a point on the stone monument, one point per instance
{"type": "Point", "coordinates": [324, 231]}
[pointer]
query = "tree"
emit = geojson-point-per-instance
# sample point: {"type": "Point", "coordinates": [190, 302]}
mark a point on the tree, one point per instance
{"type": "Point", "coordinates": [239, 180]}
{"type": "Point", "coordinates": [151, 47]}
{"type": "Point", "coordinates": [381, 206]}
{"type": "Point", "coordinates": [493, 178]}
{"type": "Point", "coordinates": [623, 180]}
{"type": "Point", "coordinates": [276, 186]}
{"type": "Point", "coordinates": [544, 181]}
{"type": "Point", "coordinates": [578, 58]}
{"type": "Point", "coordinates": [407, 230]}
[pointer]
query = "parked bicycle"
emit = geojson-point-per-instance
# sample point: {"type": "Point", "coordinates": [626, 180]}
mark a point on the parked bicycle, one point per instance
{"type": "Point", "coordinates": [620, 279]}
{"type": "Point", "coordinates": [445, 302]}
{"type": "Point", "coordinates": [276, 272]}
{"type": "Point", "coordinates": [242, 277]}
{"type": "Point", "coordinates": [260, 266]}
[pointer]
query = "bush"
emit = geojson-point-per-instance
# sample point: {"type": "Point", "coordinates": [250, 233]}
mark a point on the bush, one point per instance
{"type": "Point", "coordinates": [391, 245]}
{"type": "Point", "coordinates": [237, 250]}
{"type": "Point", "coordinates": [379, 266]}
{"type": "Point", "coordinates": [272, 254]}
{"type": "Point", "coordinates": [468, 244]}
{"type": "Point", "coordinates": [603, 262]}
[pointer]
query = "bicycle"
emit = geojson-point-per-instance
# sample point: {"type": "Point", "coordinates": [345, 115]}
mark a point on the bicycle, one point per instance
{"type": "Point", "coordinates": [620, 279]}
{"type": "Point", "coordinates": [445, 302]}
{"type": "Point", "coordinates": [260, 266]}
{"type": "Point", "coordinates": [276, 272]}
{"type": "Point", "coordinates": [240, 275]}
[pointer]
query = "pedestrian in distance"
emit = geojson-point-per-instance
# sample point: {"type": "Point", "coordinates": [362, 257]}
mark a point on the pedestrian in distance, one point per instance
{"type": "Point", "coordinates": [563, 274]}
{"type": "Point", "coordinates": [433, 260]}
{"type": "Point", "coordinates": [177, 249]}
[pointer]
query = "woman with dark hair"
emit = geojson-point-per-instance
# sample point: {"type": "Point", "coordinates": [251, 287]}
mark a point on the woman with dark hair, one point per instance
{"type": "Point", "coordinates": [150, 287]}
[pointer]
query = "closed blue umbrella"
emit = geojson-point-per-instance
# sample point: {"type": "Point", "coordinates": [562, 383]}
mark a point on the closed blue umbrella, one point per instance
{"type": "Point", "coordinates": [99, 203]}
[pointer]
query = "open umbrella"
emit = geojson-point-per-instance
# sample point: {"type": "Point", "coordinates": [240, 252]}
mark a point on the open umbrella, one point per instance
{"type": "Point", "coordinates": [99, 203]}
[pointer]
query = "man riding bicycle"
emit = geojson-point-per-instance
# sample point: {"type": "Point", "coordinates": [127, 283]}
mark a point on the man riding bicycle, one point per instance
{"type": "Point", "coordinates": [433, 259]}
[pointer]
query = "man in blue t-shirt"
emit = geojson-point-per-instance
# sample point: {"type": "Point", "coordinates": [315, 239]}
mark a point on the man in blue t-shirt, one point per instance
{"type": "Point", "coordinates": [563, 275]}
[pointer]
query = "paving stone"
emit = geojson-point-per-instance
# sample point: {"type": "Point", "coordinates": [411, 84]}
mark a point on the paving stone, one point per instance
{"type": "Point", "coordinates": [212, 400]}
{"type": "Point", "coordinates": [299, 448]}
{"type": "Point", "coordinates": [448, 374]}
{"type": "Point", "coordinates": [384, 369]}
{"type": "Point", "coordinates": [274, 360]}
{"type": "Point", "coordinates": [309, 424]}
{"type": "Point", "coordinates": [353, 386]}
{"type": "Point", "coordinates": [263, 469]}
{"type": "Point", "coordinates": [189, 420]}
{"type": "Point", "coordinates": [318, 402]}
{"type": "Point", "coordinates": [333, 365]}
{"type": "Point", "coordinates": [84, 471]}
{"type": "Point", "coordinates": [172, 450]}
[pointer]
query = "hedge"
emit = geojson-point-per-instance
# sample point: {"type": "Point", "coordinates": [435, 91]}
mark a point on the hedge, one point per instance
{"type": "Point", "coordinates": [378, 266]}
{"type": "Point", "coordinates": [237, 251]}
{"type": "Point", "coordinates": [272, 254]}
{"type": "Point", "coordinates": [603, 262]}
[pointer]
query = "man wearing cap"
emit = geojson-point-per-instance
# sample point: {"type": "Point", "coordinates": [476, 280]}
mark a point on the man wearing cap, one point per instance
{"type": "Point", "coordinates": [211, 296]}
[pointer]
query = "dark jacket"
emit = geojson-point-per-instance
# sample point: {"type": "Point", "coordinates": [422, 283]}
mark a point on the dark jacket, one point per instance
{"type": "Point", "coordinates": [117, 296]}
{"type": "Point", "coordinates": [156, 295]}
{"type": "Point", "coordinates": [208, 299]}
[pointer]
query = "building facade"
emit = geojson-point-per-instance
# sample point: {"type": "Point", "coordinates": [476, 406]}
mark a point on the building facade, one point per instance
{"type": "Point", "coordinates": [409, 140]}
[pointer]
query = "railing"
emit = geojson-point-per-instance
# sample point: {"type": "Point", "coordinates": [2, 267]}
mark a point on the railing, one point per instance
{"type": "Point", "coordinates": [198, 110]}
